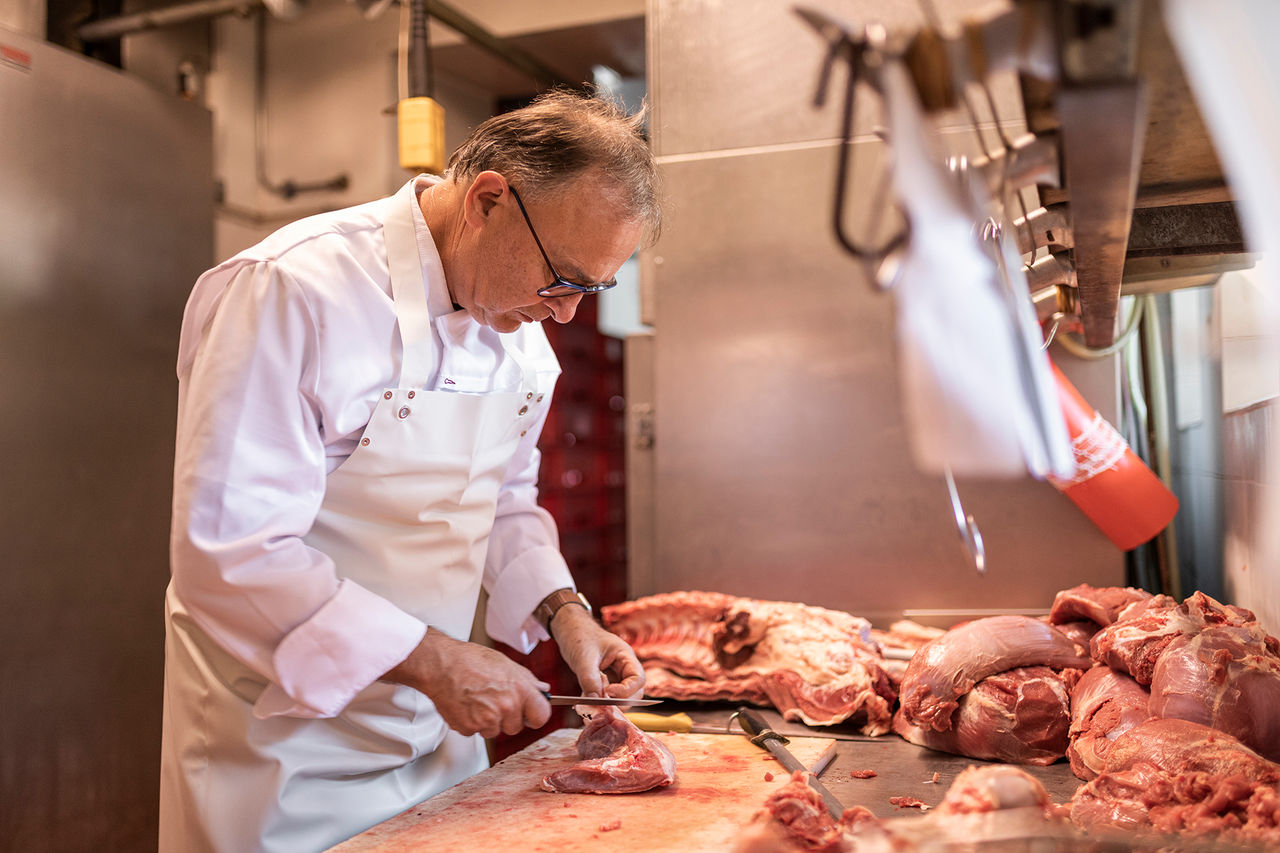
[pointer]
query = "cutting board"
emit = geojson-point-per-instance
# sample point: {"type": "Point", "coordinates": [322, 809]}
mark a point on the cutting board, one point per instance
{"type": "Point", "coordinates": [720, 783]}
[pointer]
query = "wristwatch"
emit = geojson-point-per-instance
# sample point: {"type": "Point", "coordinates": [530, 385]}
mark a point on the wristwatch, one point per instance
{"type": "Point", "coordinates": [555, 601]}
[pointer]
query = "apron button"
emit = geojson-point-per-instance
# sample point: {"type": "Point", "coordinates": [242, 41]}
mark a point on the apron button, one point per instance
{"type": "Point", "coordinates": [403, 413]}
{"type": "Point", "coordinates": [523, 409]}
{"type": "Point", "coordinates": [529, 396]}
{"type": "Point", "coordinates": [365, 442]}
{"type": "Point", "coordinates": [523, 432]}
{"type": "Point", "coordinates": [386, 396]}
{"type": "Point", "coordinates": [539, 398]}
{"type": "Point", "coordinates": [411, 393]}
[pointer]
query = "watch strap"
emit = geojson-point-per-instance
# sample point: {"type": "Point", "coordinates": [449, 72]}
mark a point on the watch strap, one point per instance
{"type": "Point", "coordinates": [550, 605]}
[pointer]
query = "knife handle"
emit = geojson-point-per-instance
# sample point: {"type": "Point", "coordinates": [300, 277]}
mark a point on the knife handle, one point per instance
{"type": "Point", "coordinates": [660, 722]}
{"type": "Point", "coordinates": [754, 725]}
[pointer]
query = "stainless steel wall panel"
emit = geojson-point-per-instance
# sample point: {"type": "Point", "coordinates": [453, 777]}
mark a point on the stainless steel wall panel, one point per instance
{"type": "Point", "coordinates": [742, 75]}
{"type": "Point", "coordinates": [781, 459]}
{"type": "Point", "coordinates": [106, 197]}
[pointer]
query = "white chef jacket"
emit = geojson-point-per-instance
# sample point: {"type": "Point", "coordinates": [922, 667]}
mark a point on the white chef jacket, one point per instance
{"type": "Point", "coordinates": [284, 352]}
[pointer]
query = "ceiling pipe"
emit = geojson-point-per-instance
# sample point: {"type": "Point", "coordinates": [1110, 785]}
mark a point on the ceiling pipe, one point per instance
{"type": "Point", "coordinates": [123, 25]}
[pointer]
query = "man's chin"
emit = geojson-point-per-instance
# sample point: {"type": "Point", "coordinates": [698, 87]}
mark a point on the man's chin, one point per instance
{"type": "Point", "coordinates": [508, 323]}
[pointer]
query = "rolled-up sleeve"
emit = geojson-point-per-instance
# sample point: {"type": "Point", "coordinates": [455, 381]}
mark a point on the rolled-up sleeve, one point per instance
{"type": "Point", "coordinates": [249, 478]}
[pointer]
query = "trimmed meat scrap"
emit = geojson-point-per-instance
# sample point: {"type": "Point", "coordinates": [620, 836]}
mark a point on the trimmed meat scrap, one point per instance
{"type": "Point", "coordinates": [812, 664]}
{"type": "Point", "coordinates": [1020, 716]}
{"type": "Point", "coordinates": [794, 817]}
{"type": "Point", "coordinates": [618, 758]}
{"type": "Point", "coordinates": [1174, 776]}
{"type": "Point", "coordinates": [995, 803]}
{"type": "Point", "coordinates": [945, 669]}
{"type": "Point", "coordinates": [1104, 705]}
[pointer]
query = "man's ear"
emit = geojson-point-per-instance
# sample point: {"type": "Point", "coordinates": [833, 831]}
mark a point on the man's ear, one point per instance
{"type": "Point", "coordinates": [487, 190]}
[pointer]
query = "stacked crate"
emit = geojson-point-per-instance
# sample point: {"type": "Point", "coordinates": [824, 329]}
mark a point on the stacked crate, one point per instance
{"type": "Point", "coordinates": [581, 484]}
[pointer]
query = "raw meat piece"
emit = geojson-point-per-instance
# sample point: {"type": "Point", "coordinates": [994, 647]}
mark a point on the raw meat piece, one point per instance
{"type": "Point", "coordinates": [659, 681]}
{"type": "Point", "coordinates": [945, 669]}
{"type": "Point", "coordinates": [1019, 716]}
{"type": "Point", "coordinates": [812, 664]}
{"type": "Point", "coordinates": [1224, 677]}
{"type": "Point", "coordinates": [1104, 705]}
{"type": "Point", "coordinates": [618, 758]}
{"type": "Point", "coordinates": [1097, 604]}
{"type": "Point", "coordinates": [996, 803]}
{"type": "Point", "coordinates": [1177, 776]}
{"type": "Point", "coordinates": [906, 635]}
{"type": "Point", "coordinates": [1134, 642]}
{"type": "Point", "coordinates": [1080, 633]}
{"type": "Point", "coordinates": [991, 788]}
{"type": "Point", "coordinates": [795, 818]}
{"type": "Point", "coordinates": [1176, 746]}
{"type": "Point", "coordinates": [900, 643]}
{"type": "Point", "coordinates": [671, 630]}
{"type": "Point", "coordinates": [908, 803]}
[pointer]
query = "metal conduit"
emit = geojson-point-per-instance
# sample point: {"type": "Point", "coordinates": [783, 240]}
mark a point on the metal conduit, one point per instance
{"type": "Point", "coordinates": [122, 25]}
{"type": "Point", "coordinates": [113, 28]}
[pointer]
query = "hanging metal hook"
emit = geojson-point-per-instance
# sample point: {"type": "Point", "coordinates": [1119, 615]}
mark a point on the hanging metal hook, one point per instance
{"type": "Point", "coordinates": [970, 535]}
{"type": "Point", "coordinates": [863, 55]}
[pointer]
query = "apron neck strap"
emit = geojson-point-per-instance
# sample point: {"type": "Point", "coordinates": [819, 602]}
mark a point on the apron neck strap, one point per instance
{"type": "Point", "coordinates": [409, 288]}
{"type": "Point", "coordinates": [407, 260]}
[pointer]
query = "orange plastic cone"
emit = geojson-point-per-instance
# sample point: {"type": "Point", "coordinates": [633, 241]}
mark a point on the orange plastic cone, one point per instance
{"type": "Point", "coordinates": [1112, 486]}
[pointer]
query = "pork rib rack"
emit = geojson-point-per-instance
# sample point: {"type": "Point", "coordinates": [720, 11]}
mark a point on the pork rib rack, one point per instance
{"type": "Point", "coordinates": [812, 664]}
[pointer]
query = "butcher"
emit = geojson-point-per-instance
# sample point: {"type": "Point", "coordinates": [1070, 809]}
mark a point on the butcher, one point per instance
{"type": "Point", "coordinates": [360, 399]}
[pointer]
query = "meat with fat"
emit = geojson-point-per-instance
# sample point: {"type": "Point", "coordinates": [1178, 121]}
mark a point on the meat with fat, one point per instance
{"type": "Point", "coordinates": [812, 664]}
{"type": "Point", "coordinates": [1226, 677]}
{"type": "Point", "coordinates": [1104, 705]}
{"type": "Point", "coordinates": [618, 758]}
{"type": "Point", "coordinates": [1097, 604]}
{"type": "Point", "coordinates": [1175, 776]}
{"type": "Point", "coordinates": [991, 788]}
{"type": "Point", "coordinates": [1143, 630]}
{"type": "Point", "coordinates": [945, 669]}
{"type": "Point", "coordinates": [1020, 716]}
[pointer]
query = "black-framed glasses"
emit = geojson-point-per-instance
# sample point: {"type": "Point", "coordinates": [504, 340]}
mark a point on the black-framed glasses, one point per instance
{"type": "Point", "coordinates": [559, 286]}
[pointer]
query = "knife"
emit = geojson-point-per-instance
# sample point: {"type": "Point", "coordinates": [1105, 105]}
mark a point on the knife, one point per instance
{"type": "Point", "coordinates": [766, 738]}
{"type": "Point", "coordinates": [597, 700]}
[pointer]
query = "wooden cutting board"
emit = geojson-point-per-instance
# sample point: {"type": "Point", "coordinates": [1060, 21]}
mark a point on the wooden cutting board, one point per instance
{"type": "Point", "coordinates": [720, 783]}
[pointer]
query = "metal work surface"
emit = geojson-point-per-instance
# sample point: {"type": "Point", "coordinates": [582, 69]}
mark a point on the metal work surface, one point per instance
{"type": "Point", "coordinates": [902, 769]}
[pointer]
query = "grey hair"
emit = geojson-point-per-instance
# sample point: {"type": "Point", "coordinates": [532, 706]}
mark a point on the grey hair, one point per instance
{"type": "Point", "coordinates": [561, 136]}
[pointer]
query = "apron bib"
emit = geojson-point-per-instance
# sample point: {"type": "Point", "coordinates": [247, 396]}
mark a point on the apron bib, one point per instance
{"type": "Point", "coordinates": [406, 516]}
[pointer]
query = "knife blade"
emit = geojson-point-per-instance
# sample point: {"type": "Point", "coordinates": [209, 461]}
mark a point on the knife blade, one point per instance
{"type": "Point", "coordinates": [597, 700]}
{"type": "Point", "coordinates": [766, 738]}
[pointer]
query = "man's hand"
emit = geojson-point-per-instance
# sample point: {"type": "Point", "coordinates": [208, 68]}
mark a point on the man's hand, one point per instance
{"type": "Point", "coordinates": [604, 663]}
{"type": "Point", "coordinates": [475, 689]}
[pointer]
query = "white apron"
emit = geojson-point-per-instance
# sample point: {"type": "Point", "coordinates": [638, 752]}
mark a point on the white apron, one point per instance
{"type": "Point", "coordinates": [406, 516]}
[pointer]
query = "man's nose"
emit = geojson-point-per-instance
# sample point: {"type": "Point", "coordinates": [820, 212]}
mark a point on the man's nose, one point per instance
{"type": "Point", "coordinates": [564, 307]}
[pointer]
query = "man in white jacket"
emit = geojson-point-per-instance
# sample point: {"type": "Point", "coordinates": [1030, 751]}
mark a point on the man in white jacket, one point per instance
{"type": "Point", "coordinates": [360, 398]}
